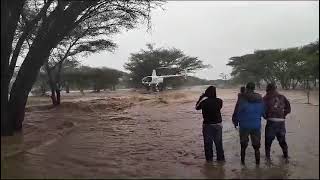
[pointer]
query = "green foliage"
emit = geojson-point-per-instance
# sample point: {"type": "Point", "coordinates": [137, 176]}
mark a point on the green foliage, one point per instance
{"type": "Point", "coordinates": [96, 79]}
{"type": "Point", "coordinates": [43, 25]}
{"type": "Point", "coordinates": [88, 32]}
{"type": "Point", "coordinates": [142, 63]}
{"type": "Point", "coordinates": [289, 67]}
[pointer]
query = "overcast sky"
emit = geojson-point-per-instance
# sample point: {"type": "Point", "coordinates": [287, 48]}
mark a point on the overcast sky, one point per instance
{"type": "Point", "coordinates": [214, 31]}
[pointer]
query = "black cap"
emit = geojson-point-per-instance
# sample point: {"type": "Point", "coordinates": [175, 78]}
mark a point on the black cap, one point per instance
{"type": "Point", "coordinates": [250, 86]}
{"type": "Point", "coordinates": [242, 89]}
{"type": "Point", "coordinates": [271, 87]}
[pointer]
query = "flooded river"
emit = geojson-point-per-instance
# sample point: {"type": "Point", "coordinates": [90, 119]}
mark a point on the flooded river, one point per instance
{"type": "Point", "coordinates": [129, 134]}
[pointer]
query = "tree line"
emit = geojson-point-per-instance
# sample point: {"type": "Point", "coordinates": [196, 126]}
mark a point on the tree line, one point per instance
{"type": "Point", "coordinates": [77, 78]}
{"type": "Point", "coordinates": [290, 67]}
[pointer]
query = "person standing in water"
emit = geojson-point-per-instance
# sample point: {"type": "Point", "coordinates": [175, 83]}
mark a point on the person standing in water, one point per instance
{"type": "Point", "coordinates": [212, 123]}
{"type": "Point", "coordinates": [277, 108]}
{"type": "Point", "coordinates": [235, 121]}
{"type": "Point", "coordinates": [249, 113]}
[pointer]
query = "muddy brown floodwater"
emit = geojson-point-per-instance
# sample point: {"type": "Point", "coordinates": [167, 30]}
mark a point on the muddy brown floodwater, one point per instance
{"type": "Point", "coordinates": [130, 134]}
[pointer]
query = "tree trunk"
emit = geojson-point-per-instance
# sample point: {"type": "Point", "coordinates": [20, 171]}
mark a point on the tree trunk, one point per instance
{"type": "Point", "coordinates": [67, 88]}
{"type": "Point", "coordinates": [282, 84]}
{"type": "Point", "coordinates": [26, 31]}
{"type": "Point", "coordinates": [10, 12]}
{"type": "Point", "coordinates": [294, 84]}
{"type": "Point", "coordinates": [51, 84]}
{"type": "Point", "coordinates": [81, 91]}
{"type": "Point", "coordinates": [27, 75]}
{"type": "Point", "coordinates": [58, 82]}
{"type": "Point", "coordinates": [43, 90]}
{"type": "Point", "coordinates": [95, 87]}
{"type": "Point", "coordinates": [53, 97]}
{"type": "Point", "coordinates": [6, 128]}
{"type": "Point", "coordinates": [53, 29]}
{"type": "Point", "coordinates": [58, 96]}
{"type": "Point", "coordinates": [308, 92]}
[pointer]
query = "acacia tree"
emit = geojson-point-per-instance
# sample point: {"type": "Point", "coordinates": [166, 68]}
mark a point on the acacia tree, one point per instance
{"type": "Point", "coordinates": [77, 79]}
{"type": "Point", "coordinates": [103, 78]}
{"type": "Point", "coordinates": [10, 13]}
{"type": "Point", "coordinates": [92, 78]}
{"type": "Point", "coordinates": [74, 46]}
{"type": "Point", "coordinates": [53, 26]}
{"type": "Point", "coordinates": [31, 14]}
{"type": "Point", "coordinates": [289, 67]}
{"type": "Point", "coordinates": [247, 68]}
{"type": "Point", "coordinates": [142, 63]}
{"type": "Point", "coordinates": [311, 62]}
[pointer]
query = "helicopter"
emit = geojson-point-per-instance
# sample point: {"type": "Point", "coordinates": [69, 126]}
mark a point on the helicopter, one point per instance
{"type": "Point", "coordinates": [156, 82]}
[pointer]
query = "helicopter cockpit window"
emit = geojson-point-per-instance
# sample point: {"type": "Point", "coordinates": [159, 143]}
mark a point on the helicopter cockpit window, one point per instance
{"type": "Point", "coordinates": [147, 79]}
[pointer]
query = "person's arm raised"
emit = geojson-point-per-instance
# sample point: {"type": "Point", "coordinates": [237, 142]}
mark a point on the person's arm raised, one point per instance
{"type": "Point", "coordinates": [198, 104]}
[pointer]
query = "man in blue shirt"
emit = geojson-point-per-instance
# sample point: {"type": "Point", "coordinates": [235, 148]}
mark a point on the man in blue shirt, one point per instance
{"type": "Point", "coordinates": [248, 114]}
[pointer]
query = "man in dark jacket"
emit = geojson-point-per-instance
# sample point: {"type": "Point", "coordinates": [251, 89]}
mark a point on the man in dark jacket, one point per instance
{"type": "Point", "coordinates": [212, 123]}
{"type": "Point", "coordinates": [249, 113]}
{"type": "Point", "coordinates": [277, 108]}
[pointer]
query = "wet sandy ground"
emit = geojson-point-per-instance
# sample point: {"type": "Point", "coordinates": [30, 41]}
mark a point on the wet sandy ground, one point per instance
{"type": "Point", "coordinates": [129, 134]}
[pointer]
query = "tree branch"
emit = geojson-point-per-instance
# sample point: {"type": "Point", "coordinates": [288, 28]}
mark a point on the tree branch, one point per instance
{"type": "Point", "coordinates": [29, 26]}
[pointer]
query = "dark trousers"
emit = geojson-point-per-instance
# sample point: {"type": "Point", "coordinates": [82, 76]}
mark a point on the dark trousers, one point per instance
{"type": "Point", "coordinates": [255, 135]}
{"type": "Point", "coordinates": [212, 133]}
{"type": "Point", "coordinates": [275, 129]}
